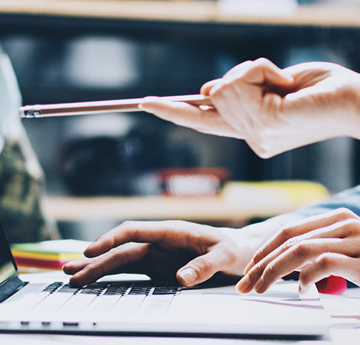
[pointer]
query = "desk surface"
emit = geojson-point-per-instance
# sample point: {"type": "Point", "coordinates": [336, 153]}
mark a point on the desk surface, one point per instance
{"type": "Point", "coordinates": [181, 11]}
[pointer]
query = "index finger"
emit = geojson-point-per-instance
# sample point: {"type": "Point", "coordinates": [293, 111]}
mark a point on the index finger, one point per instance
{"type": "Point", "coordinates": [172, 234]}
{"type": "Point", "coordinates": [205, 121]}
{"type": "Point", "coordinates": [298, 228]}
{"type": "Point", "coordinates": [271, 268]}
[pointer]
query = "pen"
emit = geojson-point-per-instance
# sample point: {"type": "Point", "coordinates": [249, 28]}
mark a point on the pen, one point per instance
{"type": "Point", "coordinates": [99, 107]}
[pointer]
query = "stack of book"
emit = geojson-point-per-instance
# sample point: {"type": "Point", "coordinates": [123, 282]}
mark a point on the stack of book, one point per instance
{"type": "Point", "coordinates": [47, 255]}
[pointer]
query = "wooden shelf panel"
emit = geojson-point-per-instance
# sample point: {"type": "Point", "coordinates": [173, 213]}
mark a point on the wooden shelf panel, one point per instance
{"type": "Point", "coordinates": [161, 207]}
{"type": "Point", "coordinates": [182, 11]}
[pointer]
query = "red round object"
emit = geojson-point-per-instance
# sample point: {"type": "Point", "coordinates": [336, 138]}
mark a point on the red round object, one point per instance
{"type": "Point", "coordinates": [332, 285]}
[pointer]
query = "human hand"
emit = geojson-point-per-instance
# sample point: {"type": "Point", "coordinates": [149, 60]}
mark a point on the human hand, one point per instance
{"type": "Point", "coordinates": [211, 120]}
{"type": "Point", "coordinates": [319, 246]}
{"type": "Point", "coordinates": [273, 110]}
{"type": "Point", "coordinates": [167, 249]}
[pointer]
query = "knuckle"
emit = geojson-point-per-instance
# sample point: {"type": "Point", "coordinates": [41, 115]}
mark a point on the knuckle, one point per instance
{"type": "Point", "coordinates": [179, 224]}
{"type": "Point", "coordinates": [128, 224]}
{"type": "Point", "coordinates": [285, 232]}
{"type": "Point", "coordinates": [256, 272]}
{"type": "Point", "coordinates": [174, 226]}
{"type": "Point", "coordinates": [262, 61]}
{"type": "Point", "coordinates": [344, 213]}
{"type": "Point", "coordinates": [291, 242]}
{"type": "Point", "coordinates": [302, 249]}
{"type": "Point", "coordinates": [259, 255]}
{"type": "Point", "coordinates": [128, 228]}
{"type": "Point", "coordinates": [325, 262]}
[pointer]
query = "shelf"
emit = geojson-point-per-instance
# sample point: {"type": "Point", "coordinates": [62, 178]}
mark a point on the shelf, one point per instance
{"type": "Point", "coordinates": [153, 208]}
{"type": "Point", "coordinates": [238, 203]}
{"type": "Point", "coordinates": [181, 11]}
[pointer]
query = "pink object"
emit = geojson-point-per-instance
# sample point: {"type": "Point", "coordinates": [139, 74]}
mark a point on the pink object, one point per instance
{"type": "Point", "coordinates": [332, 285]}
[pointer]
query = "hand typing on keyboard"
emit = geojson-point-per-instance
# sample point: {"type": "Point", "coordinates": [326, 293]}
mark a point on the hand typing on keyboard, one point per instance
{"type": "Point", "coordinates": [167, 249]}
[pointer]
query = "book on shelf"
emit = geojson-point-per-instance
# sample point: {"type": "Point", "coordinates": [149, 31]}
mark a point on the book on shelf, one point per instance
{"type": "Point", "coordinates": [50, 255]}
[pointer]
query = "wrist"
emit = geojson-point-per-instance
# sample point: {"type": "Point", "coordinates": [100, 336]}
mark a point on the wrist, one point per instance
{"type": "Point", "coordinates": [351, 105]}
{"type": "Point", "coordinates": [356, 128]}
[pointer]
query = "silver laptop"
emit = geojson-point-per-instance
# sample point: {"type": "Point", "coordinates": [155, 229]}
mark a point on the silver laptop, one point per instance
{"type": "Point", "coordinates": [142, 307]}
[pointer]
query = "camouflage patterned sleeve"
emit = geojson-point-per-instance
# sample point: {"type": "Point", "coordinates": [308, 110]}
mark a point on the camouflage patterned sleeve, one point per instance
{"type": "Point", "coordinates": [21, 197]}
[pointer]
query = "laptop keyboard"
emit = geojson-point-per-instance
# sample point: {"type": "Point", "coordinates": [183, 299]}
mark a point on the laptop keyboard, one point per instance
{"type": "Point", "coordinates": [105, 297]}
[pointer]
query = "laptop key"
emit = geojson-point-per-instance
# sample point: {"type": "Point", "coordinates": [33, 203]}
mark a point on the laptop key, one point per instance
{"type": "Point", "coordinates": [53, 302]}
{"type": "Point", "coordinates": [35, 300]}
{"type": "Point", "coordinates": [104, 303]}
{"type": "Point", "coordinates": [165, 290]}
{"type": "Point", "coordinates": [158, 304]}
{"type": "Point", "coordinates": [79, 303]}
{"type": "Point", "coordinates": [137, 290]}
{"type": "Point", "coordinates": [53, 287]}
{"type": "Point", "coordinates": [116, 291]}
{"type": "Point", "coordinates": [68, 289]}
{"type": "Point", "coordinates": [131, 304]}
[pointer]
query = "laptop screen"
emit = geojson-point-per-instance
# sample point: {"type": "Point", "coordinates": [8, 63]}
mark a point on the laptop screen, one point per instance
{"type": "Point", "coordinates": [7, 264]}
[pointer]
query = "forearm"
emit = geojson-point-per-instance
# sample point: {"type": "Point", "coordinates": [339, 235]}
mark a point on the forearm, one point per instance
{"type": "Point", "coordinates": [349, 199]}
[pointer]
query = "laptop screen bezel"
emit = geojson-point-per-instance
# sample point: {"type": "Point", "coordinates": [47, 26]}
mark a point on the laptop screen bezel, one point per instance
{"type": "Point", "coordinates": [8, 257]}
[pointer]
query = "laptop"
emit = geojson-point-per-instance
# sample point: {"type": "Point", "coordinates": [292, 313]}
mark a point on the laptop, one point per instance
{"type": "Point", "coordinates": [143, 307]}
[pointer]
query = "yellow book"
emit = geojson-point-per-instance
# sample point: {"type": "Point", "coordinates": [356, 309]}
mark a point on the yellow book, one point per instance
{"type": "Point", "coordinates": [48, 253]}
{"type": "Point", "coordinates": [297, 193]}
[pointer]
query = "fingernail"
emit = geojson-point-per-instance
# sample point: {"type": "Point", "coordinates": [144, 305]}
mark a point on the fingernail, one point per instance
{"type": "Point", "coordinates": [303, 289]}
{"type": "Point", "coordinates": [243, 284]}
{"type": "Point", "coordinates": [189, 275]}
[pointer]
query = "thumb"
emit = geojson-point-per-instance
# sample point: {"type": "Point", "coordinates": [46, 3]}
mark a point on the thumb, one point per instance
{"type": "Point", "coordinates": [206, 88]}
{"type": "Point", "coordinates": [200, 269]}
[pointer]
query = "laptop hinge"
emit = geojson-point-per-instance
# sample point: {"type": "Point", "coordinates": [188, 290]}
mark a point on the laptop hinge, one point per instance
{"type": "Point", "coordinates": [11, 286]}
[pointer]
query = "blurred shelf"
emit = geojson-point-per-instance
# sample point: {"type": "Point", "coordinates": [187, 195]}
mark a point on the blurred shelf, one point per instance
{"type": "Point", "coordinates": [159, 207]}
{"type": "Point", "coordinates": [237, 202]}
{"type": "Point", "coordinates": [181, 11]}
{"type": "Point", "coordinates": [208, 209]}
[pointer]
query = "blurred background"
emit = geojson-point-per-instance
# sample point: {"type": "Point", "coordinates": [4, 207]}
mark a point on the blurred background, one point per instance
{"type": "Point", "coordinates": [71, 58]}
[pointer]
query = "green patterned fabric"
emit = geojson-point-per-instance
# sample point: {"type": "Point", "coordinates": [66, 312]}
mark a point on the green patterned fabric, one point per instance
{"type": "Point", "coordinates": [21, 197]}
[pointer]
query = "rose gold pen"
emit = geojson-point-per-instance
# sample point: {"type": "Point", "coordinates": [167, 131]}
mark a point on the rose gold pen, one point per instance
{"type": "Point", "coordinates": [99, 107]}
